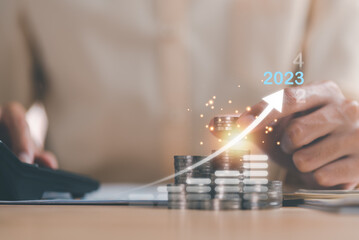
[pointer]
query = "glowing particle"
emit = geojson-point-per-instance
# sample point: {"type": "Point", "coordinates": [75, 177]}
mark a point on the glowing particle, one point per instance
{"type": "Point", "coordinates": [188, 109]}
{"type": "Point", "coordinates": [239, 86]}
{"type": "Point", "coordinates": [221, 109]}
{"type": "Point", "coordinates": [275, 120]}
{"type": "Point", "coordinates": [256, 117]}
{"type": "Point", "coordinates": [219, 120]}
{"type": "Point", "coordinates": [206, 104]}
{"type": "Point", "coordinates": [278, 143]}
{"type": "Point", "coordinates": [211, 129]}
{"type": "Point", "coordinates": [210, 102]}
{"type": "Point", "coordinates": [201, 115]}
{"type": "Point", "coordinates": [238, 126]}
{"type": "Point", "coordinates": [214, 97]}
{"type": "Point", "coordinates": [266, 132]}
{"type": "Point", "coordinates": [245, 137]}
{"type": "Point", "coordinates": [262, 141]}
{"type": "Point", "coordinates": [236, 111]}
{"type": "Point", "coordinates": [248, 109]}
{"type": "Point", "coordinates": [219, 140]}
{"type": "Point", "coordinates": [229, 134]}
{"type": "Point", "coordinates": [262, 80]}
{"type": "Point", "coordinates": [229, 101]}
{"type": "Point", "coordinates": [270, 129]}
{"type": "Point", "coordinates": [200, 143]}
{"type": "Point", "coordinates": [266, 127]}
{"type": "Point", "coordinates": [212, 107]}
{"type": "Point", "coordinates": [206, 126]}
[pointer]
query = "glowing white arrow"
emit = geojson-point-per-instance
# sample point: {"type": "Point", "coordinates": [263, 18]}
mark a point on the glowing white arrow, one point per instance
{"type": "Point", "coordinates": [274, 101]}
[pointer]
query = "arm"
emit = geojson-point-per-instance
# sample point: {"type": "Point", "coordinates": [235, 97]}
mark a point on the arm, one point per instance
{"type": "Point", "coordinates": [16, 87]}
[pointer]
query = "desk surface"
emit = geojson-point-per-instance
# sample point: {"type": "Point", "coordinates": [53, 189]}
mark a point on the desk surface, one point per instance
{"type": "Point", "coordinates": [119, 222]}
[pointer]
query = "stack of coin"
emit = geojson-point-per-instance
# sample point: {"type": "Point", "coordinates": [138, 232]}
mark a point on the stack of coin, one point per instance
{"type": "Point", "coordinates": [186, 161]}
{"type": "Point", "coordinates": [275, 194]}
{"type": "Point", "coordinates": [255, 169]}
{"type": "Point", "coordinates": [198, 193]}
{"type": "Point", "coordinates": [225, 126]}
{"type": "Point", "coordinates": [233, 180]}
{"type": "Point", "coordinates": [230, 160]}
{"type": "Point", "coordinates": [262, 196]}
{"type": "Point", "coordinates": [176, 196]}
{"type": "Point", "coordinates": [226, 190]}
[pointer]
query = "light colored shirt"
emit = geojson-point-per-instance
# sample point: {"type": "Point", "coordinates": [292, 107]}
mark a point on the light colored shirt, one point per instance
{"type": "Point", "coordinates": [120, 76]}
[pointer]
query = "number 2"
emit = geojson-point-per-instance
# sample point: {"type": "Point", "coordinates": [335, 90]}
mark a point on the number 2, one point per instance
{"type": "Point", "coordinates": [300, 95]}
{"type": "Point", "coordinates": [267, 80]}
{"type": "Point", "coordinates": [288, 82]}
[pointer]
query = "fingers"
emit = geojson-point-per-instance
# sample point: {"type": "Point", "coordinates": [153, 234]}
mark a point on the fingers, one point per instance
{"type": "Point", "coordinates": [349, 186]}
{"type": "Point", "coordinates": [14, 120]}
{"type": "Point", "coordinates": [304, 130]}
{"type": "Point", "coordinates": [343, 171]}
{"type": "Point", "coordinates": [46, 159]}
{"type": "Point", "coordinates": [312, 96]}
{"type": "Point", "coordinates": [323, 152]}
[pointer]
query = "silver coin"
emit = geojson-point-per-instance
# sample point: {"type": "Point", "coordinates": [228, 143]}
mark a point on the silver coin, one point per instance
{"type": "Point", "coordinates": [218, 204]}
{"type": "Point", "coordinates": [227, 196]}
{"type": "Point", "coordinates": [176, 188]}
{"type": "Point", "coordinates": [198, 189]}
{"type": "Point", "coordinates": [177, 205]}
{"type": "Point", "coordinates": [198, 196]}
{"type": "Point", "coordinates": [200, 205]}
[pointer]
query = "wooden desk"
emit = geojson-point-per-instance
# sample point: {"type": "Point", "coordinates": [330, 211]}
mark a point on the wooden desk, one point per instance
{"type": "Point", "coordinates": [118, 222]}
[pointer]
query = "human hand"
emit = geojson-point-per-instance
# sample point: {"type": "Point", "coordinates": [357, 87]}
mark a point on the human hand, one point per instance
{"type": "Point", "coordinates": [315, 137]}
{"type": "Point", "coordinates": [15, 132]}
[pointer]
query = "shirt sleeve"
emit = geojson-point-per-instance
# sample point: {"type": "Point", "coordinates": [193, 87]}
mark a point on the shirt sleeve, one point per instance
{"type": "Point", "coordinates": [15, 59]}
{"type": "Point", "coordinates": [331, 49]}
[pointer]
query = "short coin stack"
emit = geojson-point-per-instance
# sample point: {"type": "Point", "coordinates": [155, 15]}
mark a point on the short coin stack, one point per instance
{"type": "Point", "coordinates": [262, 196]}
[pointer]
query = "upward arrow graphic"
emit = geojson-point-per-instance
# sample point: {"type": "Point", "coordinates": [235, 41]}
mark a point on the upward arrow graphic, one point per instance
{"type": "Point", "coordinates": [274, 101]}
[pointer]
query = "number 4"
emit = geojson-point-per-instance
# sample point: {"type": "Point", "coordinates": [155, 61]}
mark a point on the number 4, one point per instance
{"type": "Point", "coordinates": [299, 60]}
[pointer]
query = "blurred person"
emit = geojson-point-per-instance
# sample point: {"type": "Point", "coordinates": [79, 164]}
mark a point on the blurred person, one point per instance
{"type": "Point", "coordinates": [123, 83]}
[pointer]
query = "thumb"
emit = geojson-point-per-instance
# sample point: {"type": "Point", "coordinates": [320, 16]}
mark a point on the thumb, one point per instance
{"type": "Point", "coordinates": [14, 120]}
{"type": "Point", "coordinates": [46, 159]}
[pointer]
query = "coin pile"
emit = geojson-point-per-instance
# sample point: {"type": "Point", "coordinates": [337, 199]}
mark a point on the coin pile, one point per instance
{"type": "Point", "coordinates": [222, 186]}
{"type": "Point", "coordinates": [233, 180]}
